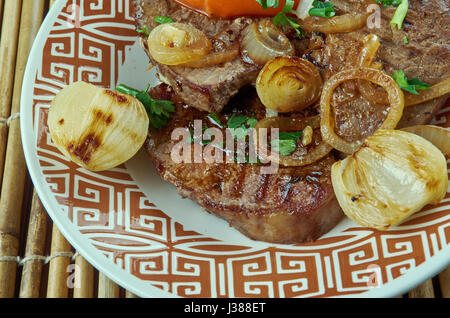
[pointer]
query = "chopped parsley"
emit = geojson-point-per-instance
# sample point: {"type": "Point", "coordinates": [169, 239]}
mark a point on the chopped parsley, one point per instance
{"type": "Point", "coordinates": [405, 40]}
{"type": "Point", "coordinates": [409, 85]}
{"type": "Point", "coordinates": [143, 30]}
{"type": "Point", "coordinates": [400, 14]}
{"type": "Point", "coordinates": [282, 18]}
{"type": "Point", "coordinates": [239, 124]}
{"type": "Point", "coordinates": [214, 119]}
{"type": "Point", "coordinates": [158, 19]}
{"type": "Point", "coordinates": [265, 4]}
{"type": "Point", "coordinates": [159, 111]}
{"type": "Point", "coordinates": [322, 9]}
{"type": "Point", "coordinates": [287, 143]}
{"type": "Point", "coordinates": [386, 3]}
{"type": "Point", "coordinates": [163, 20]}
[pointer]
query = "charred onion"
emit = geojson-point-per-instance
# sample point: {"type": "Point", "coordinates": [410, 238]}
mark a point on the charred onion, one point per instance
{"type": "Point", "coordinates": [393, 176]}
{"type": "Point", "coordinates": [438, 136]}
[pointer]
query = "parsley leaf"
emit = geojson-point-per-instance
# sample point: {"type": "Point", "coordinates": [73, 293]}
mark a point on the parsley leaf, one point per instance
{"type": "Point", "coordinates": [214, 119]}
{"type": "Point", "coordinates": [144, 31]}
{"type": "Point", "coordinates": [163, 20]}
{"type": "Point", "coordinates": [386, 3]}
{"type": "Point", "coordinates": [322, 9]}
{"type": "Point", "coordinates": [287, 142]}
{"type": "Point", "coordinates": [409, 85]}
{"type": "Point", "coordinates": [282, 18]}
{"type": "Point", "coordinates": [268, 3]}
{"type": "Point", "coordinates": [159, 111]}
{"type": "Point", "coordinates": [237, 121]}
{"type": "Point", "coordinates": [284, 147]}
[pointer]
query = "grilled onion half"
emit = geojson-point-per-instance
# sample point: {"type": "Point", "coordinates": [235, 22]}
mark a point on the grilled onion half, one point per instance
{"type": "Point", "coordinates": [289, 84]}
{"type": "Point", "coordinates": [392, 176]}
{"type": "Point", "coordinates": [177, 43]}
{"type": "Point", "coordinates": [97, 128]}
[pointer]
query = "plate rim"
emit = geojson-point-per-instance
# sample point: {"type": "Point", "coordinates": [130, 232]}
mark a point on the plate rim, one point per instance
{"type": "Point", "coordinates": [412, 278]}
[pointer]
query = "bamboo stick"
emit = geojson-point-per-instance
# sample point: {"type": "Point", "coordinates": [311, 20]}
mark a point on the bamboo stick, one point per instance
{"type": "Point", "coordinates": [8, 49]}
{"type": "Point", "coordinates": [59, 270]}
{"type": "Point", "coordinates": [12, 187]}
{"type": "Point", "coordinates": [425, 290]}
{"type": "Point", "coordinates": [84, 279]}
{"type": "Point", "coordinates": [1, 11]}
{"type": "Point", "coordinates": [107, 288]}
{"type": "Point", "coordinates": [129, 294]}
{"type": "Point", "coordinates": [444, 282]}
{"type": "Point", "coordinates": [36, 242]}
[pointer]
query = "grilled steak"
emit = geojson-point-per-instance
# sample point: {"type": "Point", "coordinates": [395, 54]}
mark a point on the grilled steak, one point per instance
{"type": "Point", "coordinates": [426, 56]}
{"type": "Point", "coordinates": [293, 205]}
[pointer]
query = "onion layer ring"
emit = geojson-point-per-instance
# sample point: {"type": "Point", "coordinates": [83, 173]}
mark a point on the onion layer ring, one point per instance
{"type": "Point", "coordinates": [291, 124]}
{"type": "Point", "coordinates": [215, 58]}
{"type": "Point", "coordinates": [395, 95]}
{"type": "Point", "coordinates": [433, 92]}
{"type": "Point", "coordinates": [339, 24]}
{"type": "Point", "coordinates": [369, 51]}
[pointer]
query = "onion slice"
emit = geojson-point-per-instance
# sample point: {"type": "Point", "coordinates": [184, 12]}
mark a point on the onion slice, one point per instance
{"type": "Point", "coordinates": [215, 58]}
{"type": "Point", "coordinates": [433, 92]}
{"type": "Point", "coordinates": [314, 154]}
{"type": "Point", "coordinates": [396, 100]}
{"type": "Point", "coordinates": [303, 8]}
{"type": "Point", "coordinates": [371, 44]}
{"type": "Point", "coordinates": [338, 24]}
{"type": "Point", "coordinates": [262, 41]}
{"type": "Point", "coordinates": [438, 136]}
{"type": "Point", "coordinates": [177, 43]}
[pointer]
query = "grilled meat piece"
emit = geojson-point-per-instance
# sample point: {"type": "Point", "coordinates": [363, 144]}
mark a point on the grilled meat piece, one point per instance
{"type": "Point", "coordinates": [296, 204]}
{"type": "Point", "coordinates": [291, 206]}
{"type": "Point", "coordinates": [208, 88]}
{"type": "Point", "coordinates": [426, 56]}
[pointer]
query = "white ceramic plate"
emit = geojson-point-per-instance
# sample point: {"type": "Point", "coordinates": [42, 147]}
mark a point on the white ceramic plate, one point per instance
{"type": "Point", "coordinates": [138, 231]}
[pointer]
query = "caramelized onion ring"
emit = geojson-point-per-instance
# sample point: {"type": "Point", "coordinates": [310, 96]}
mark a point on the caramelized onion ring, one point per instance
{"type": "Point", "coordinates": [287, 84]}
{"type": "Point", "coordinates": [262, 41]}
{"type": "Point", "coordinates": [396, 100]}
{"type": "Point", "coordinates": [371, 44]}
{"type": "Point", "coordinates": [291, 124]}
{"type": "Point", "coordinates": [338, 24]}
{"type": "Point", "coordinates": [435, 91]}
{"type": "Point", "coordinates": [215, 58]}
{"type": "Point", "coordinates": [177, 43]}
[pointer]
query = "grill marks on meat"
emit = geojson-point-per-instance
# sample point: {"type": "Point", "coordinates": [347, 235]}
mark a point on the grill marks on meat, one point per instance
{"type": "Point", "coordinates": [294, 205]}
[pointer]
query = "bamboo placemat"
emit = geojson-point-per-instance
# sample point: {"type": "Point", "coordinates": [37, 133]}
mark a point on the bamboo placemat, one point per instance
{"type": "Point", "coordinates": [34, 256]}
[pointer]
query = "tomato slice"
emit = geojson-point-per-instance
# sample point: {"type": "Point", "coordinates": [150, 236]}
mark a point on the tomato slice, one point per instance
{"type": "Point", "coordinates": [231, 8]}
